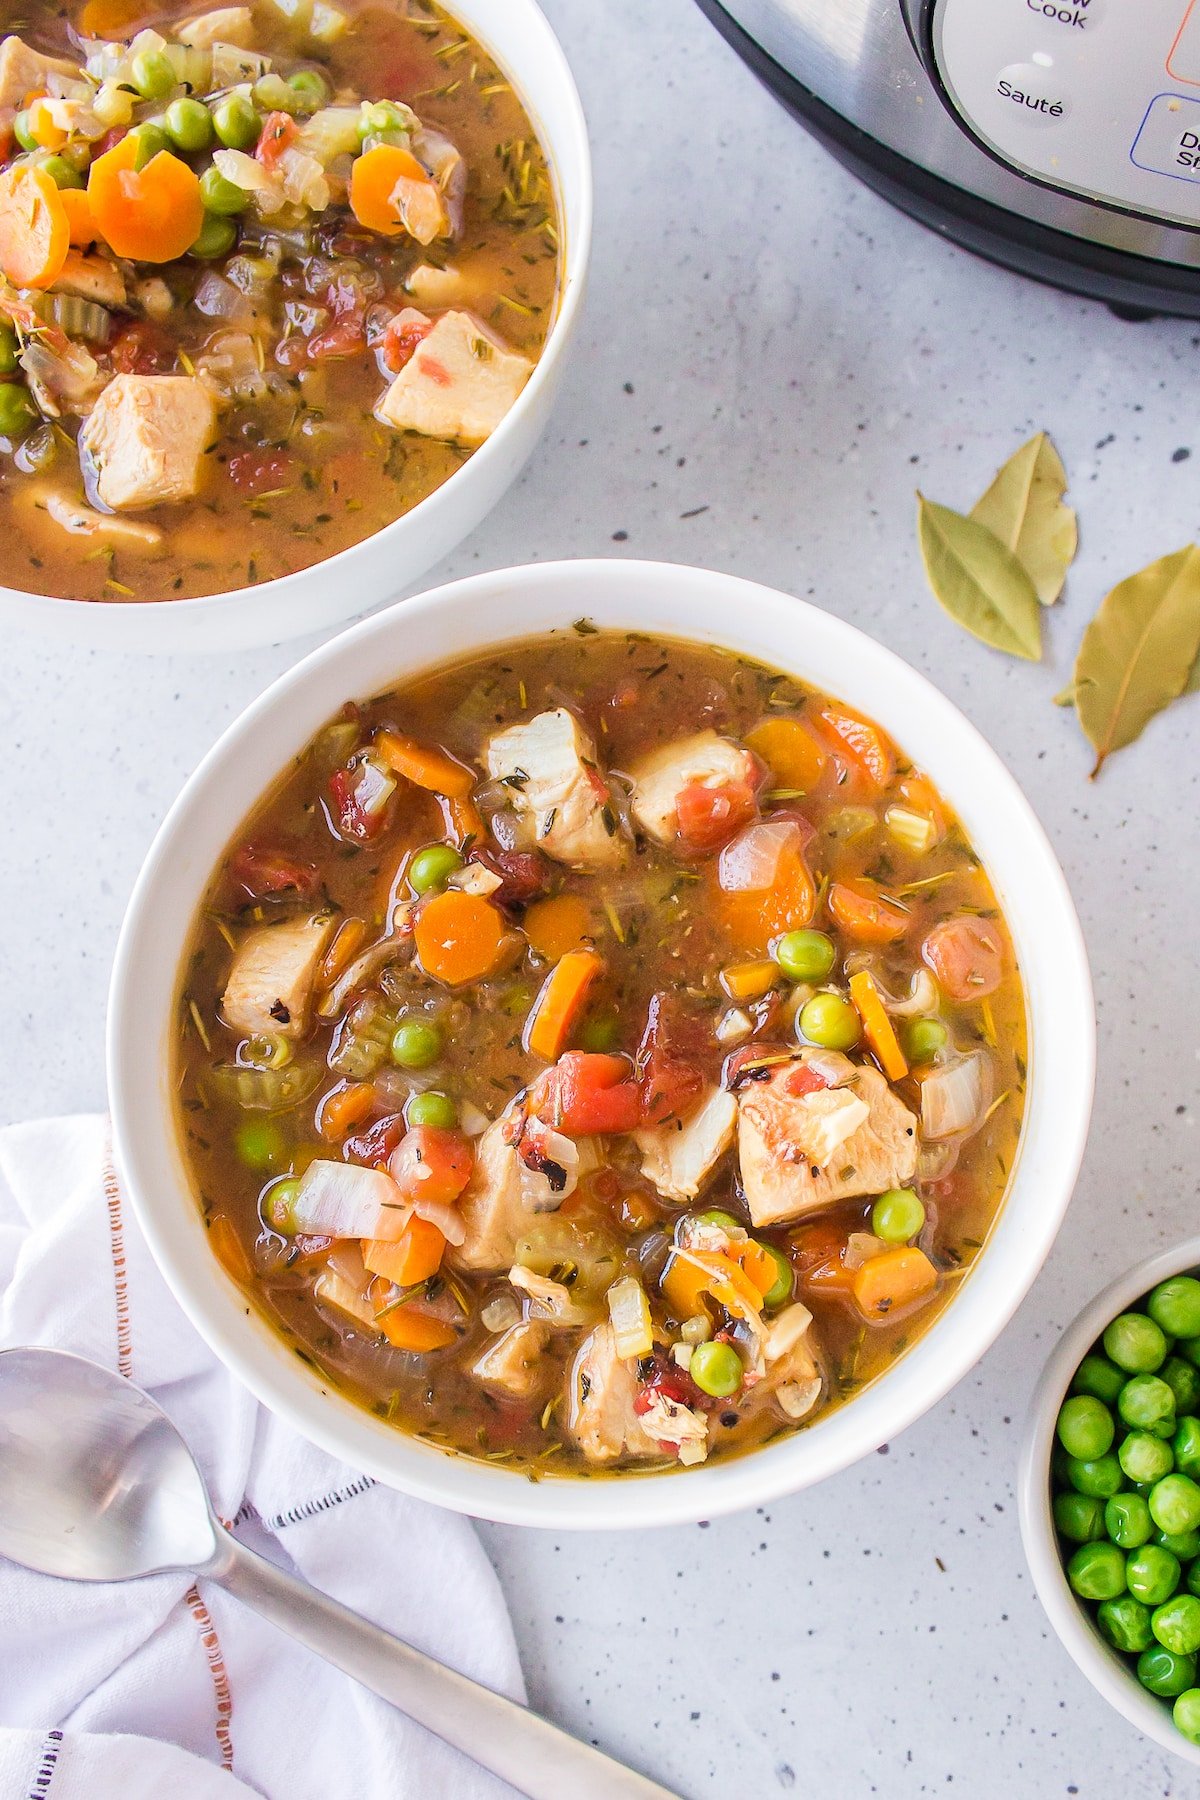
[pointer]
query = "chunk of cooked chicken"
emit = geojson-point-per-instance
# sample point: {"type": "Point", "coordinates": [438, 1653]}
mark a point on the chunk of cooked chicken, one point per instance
{"type": "Point", "coordinates": [791, 1356]}
{"type": "Point", "coordinates": [226, 25]}
{"type": "Point", "coordinates": [522, 1168]}
{"type": "Point", "coordinates": [85, 521]}
{"type": "Point", "coordinates": [704, 760]}
{"type": "Point", "coordinates": [270, 985]}
{"type": "Point", "coordinates": [513, 1363]}
{"type": "Point", "coordinates": [458, 384]}
{"type": "Point", "coordinates": [92, 278]}
{"type": "Point", "coordinates": [24, 70]}
{"type": "Point", "coordinates": [550, 768]}
{"type": "Point", "coordinates": [434, 288]}
{"type": "Point", "coordinates": [803, 1150]}
{"type": "Point", "coordinates": [680, 1156]}
{"type": "Point", "coordinates": [601, 1390]}
{"type": "Point", "coordinates": [146, 438]}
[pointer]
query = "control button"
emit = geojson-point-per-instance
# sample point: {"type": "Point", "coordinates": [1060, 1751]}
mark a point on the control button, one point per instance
{"type": "Point", "coordinates": [1169, 140]}
{"type": "Point", "coordinates": [1075, 15]}
{"type": "Point", "coordinates": [1034, 93]}
{"type": "Point", "coordinates": [1183, 62]}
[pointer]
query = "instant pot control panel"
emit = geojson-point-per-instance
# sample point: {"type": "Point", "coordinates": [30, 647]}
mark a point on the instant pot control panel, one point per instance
{"type": "Point", "coordinates": [1099, 98]}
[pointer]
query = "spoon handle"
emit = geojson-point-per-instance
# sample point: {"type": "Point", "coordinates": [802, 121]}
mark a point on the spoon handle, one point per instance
{"type": "Point", "coordinates": [534, 1756]}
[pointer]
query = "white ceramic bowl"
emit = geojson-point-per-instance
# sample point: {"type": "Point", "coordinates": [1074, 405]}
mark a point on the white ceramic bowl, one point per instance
{"type": "Point", "coordinates": [1108, 1673]}
{"type": "Point", "coordinates": [495, 609]}
{"type": "Point", "coordinates": [517, 36]}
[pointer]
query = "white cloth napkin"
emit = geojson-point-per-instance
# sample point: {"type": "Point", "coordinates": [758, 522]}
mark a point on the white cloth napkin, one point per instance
{"type": "Point", "coordinates": [158, 1688]}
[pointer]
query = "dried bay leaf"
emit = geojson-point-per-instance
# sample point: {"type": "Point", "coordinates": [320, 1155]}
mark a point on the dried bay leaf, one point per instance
{"type": "Point", "coordinates": [979, 581]}
{"type": "Point", "coordinates": [1024, 508]}
{"type": "Point", "coordinates": [1139, 652]}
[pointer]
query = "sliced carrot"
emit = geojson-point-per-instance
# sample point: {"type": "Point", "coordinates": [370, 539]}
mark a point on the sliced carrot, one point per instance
{"type": "Point", "coordinates": [864, 743]}
{"type": "Point", "coordinates": [406, 1329]}
{"type": "Point", "coordinates": [691, 1274]}
{"type": "Point", "coordinates": [81, 226]}
{"type": "Point", "coordinates": [344, 1107]}
{"type": "Point", "coordinates": [228, 1247]}
{"type": "Point", "coordinates": [346, 944]}
{"type": "Point", "coordinates": [759, 1265]}
{"type": "Point", "coordinates": [557, 925]}
{"type": "Point", "coordinates": [149, 215]}
{"type": "Point", "coordinates": [414, 1256]}
{"type": "Point", "coordinates": [791, 752]}
{"type": "Point", "coordinates": [387, 183]}
{"type": "Point", "coordinates": [462, 818]}
{"type": "Point", "coordinates": [459, 937]}
{"type": "Point", "coordinates": [424, 766]}
{"type": "Point", "coordinates": [881, 1033]}
{"type": "Point", "coordinates": [34, 232]}
{"type": "Point", "coordinates": [752, 918]}
{"type": "Point", "coordinates": [560, 1002]}
{"type": "Point", "coordinates": [888, 1284]}
{"type": "Point", "coordinates": [42, 127]}
{"type": "Point", "coordinates": [866, 914]}
{"type": "Point", "coordinates": [112, 18]}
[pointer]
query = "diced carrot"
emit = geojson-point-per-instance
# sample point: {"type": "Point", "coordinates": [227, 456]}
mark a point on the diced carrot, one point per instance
{"type": "Point", "coordinates": [463, 820]}
{"type": "Point", "coordinates": [112, 18]}
{"type": "Point", "coordinates": [560, 1002]}
{"type": "Point", "coordinates": [557, 925]}
{"type": "Point", "coordinates": [42, 127]}
{"type": "Point", "coordinates": [459, 937]}
{"type": "Point", "coordinates": [407, 1329]}
{"type": "Point", "coordinates": [691, 1274]}
{"type": "Point", "coordinates": [864, 743]}
{"type": "Point", "coordinates": [759, 1265]}
{"type": "Point", "coordinates": [34, 231]}
{"type": "Point", "coordinates": [792, 754]}
{"type": "Point", "coordinates": [81, 227]}
{"type": "Point", "coordinates": [385, 183]}
{"type": "Point", "coordinates": [228, 1247]}
{"type": "Point", "coordinates": [344, 1107]}
{"type": "Point", "coordinates": [413, 1257]}
{"type": "Point", "coordinates": [889, 1284]}
{"type": "Point", "coordinates": [424, 766]}
{"type": "Point", "coordinates": [881, 1033]}
{"type": "Point", "coordinates": [149, 215]}
{"type": "Point", "coordinates": [753, 917]}
{"type": "Point", "coordinates": [750, 980]}
{"type": "Point", "coordinates": [866, 914]}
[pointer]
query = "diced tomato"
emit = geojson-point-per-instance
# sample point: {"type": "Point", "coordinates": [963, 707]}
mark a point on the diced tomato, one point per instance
{"type": "Point", "coordinates": [524, 874]}
{"type": "Point", "coordinates": [709, 817]}
{"type": "Point", "coordinates": [142, 349]}
{"type": "Point", "coordinates": [279, 133]}
{"type": "Point", "coordinates": [374, 1145]}
{"type": "Point", "coordinates": [260, 471]}
{"type": "Point", "coordinates": [804, 1080]}
{"type": "Point", "coordinates": [345, 337]}
{"type": "Point", "coordinates": [672, 1382]}
{"type": "Point", "coordinates": [586, 1092]}
{"type": "Point", "coordinates": [668, 1062]}
{"type": "Point", "coordinates": [262, 870]}
{"type": "Point", "coordinates": [109, 141]}
{"type": "Point", "coordinates": [401, 339]}
{"type": "Point", "coordinates": [431, 1164]}
{"type": "Point", "coordinates": [967, 956]}
{"type": "Point", "coordinates": [351, 796]}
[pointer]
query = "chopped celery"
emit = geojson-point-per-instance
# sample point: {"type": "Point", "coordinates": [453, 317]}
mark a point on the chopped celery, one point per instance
{"type": "Point", "coordinates": [914, 831]}
{"type": "Point", "coordinates": [266, 1090]}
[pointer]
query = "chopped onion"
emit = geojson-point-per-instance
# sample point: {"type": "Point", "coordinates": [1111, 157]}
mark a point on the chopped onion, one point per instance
{"type": "Point", "coordinates": [797, 1398]}
{"type": "Point", "coordinates": [834, 1069]}
{"type": "Point", "coordinates": [751, 862]}
{"type": "Point", "coordinates": [500, 1313]}
{"type": "Point", "coordinates": [472, 1120]}
{"type": "Point", "coordinates": [337, 1199]}
{"type": "Point", "coordinates": [629, 1310]}
{"type": "Point", "coordinates": [862, 1247]}
{"type": "Point", "coordinates": [217, 298]}
{"type": "Point", "coordinates": [448, 1219]}
{"type": "Point", "coordinates": [936, 1161]}
{"type": "Point", "coordinates": [955, 1096]}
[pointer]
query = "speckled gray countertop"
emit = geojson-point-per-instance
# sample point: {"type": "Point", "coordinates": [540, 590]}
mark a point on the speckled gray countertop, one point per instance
{"type": "Point", "coordinates": [771, 362]}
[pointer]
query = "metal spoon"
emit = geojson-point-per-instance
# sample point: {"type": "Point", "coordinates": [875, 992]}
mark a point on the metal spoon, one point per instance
{"type": "Point", "coordinates": [96, 1484]}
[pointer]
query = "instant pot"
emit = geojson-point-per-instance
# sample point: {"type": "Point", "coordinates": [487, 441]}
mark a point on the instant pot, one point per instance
{"type": "Point", "coordinates": [1058, 137]}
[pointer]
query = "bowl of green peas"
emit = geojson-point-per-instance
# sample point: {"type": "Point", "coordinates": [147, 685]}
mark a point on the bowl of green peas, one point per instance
{"type": "Point", "coordinates": [1109, 1495]}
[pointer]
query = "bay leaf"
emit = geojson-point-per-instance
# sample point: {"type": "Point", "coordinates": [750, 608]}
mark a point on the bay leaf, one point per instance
{"type": "Point", "coordinates": [1065, 696]}
{"type": "Point", "coordinates": [1024, 507]}
{"type": "Point", "coordinates": [979, 581]}
{"type": "Point", "coordinates": [1139, 652]}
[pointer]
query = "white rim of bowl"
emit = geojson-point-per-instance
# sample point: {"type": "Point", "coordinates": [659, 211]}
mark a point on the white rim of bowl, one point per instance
{"type": "Point", "coordinates": [1103, 1666]}
{"type": "Point", "coordinates": [915, 1383]}
{"type": "Point", "coordinates": [571, 297]}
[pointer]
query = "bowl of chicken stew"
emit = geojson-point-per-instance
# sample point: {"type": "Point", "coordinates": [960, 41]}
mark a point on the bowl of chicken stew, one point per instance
{"type": "Point", "coordinates": [620, 1056]}
{"type": "Point", "coordinates": [272, 279]}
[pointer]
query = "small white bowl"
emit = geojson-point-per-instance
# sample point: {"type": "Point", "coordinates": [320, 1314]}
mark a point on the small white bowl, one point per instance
{"type": "Point", "coordinates": [498, 609]}
{"type": "Point", "coordinates": [517, 36]}
{"type": "Point", "coordinates": [1104, 1667]}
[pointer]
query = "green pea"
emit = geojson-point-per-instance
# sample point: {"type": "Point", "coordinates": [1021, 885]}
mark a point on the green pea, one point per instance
{"type": "Point", "coordinates": [1147, 1404]}
{"type": "Point", "coordinates": [714, 1216]}
{"type": "Point", "coordinates": [1165, 1673]}
{"type": "Point", "coordinates": [188, 124]}
{"type": "Point", "coordinates": [273, 94]}
{"type": "Point", "coordinates": [1184, 1382]}
{"type": "Point", "coordinates": [716, 1369]}
{"type": "Point", "coordinates": [1186, 1446]}
{"type": "Point", "coordinates": [898, 1216]}
{"type": "Point", "coordinates": [62, 173]}
{"type": "Point", "coordinates": [1144, 1457]}
{"type": "Point", "coordinates": [923, 1038]}
{"type": "Point", "coordinates": [1183, 1544]}
{"type": "Point", "coordinates": [804, 955]}
{"type": "Point", "coordinates": [1190, 1347]}
{"type": "Point", "coordinates": [78, 154]}
{"type": "Point", "coordinates": [1096, 1375]}
{"type": "Point", "coordinates": [432, 867]}
{"type": "Point", "coordinates": [23, 134]}
{"type": "Point", "coordinates": [9, 350]}
{"type": "Point", "coordinates": [1125, 1622]}
{"type": "Point", "coordinates": [1085, 1426]}
{"type": "Point", "coordinates": [1191, 1578]}
{"type": "Point", "coordinates": [311, 87]}
{"type": "Point", "coordinates": [1100, 1475]}
{"type": "Point", "coordinates": [1097, 1572]}
{"type": "Point", "coordinates": [17, 411]}
{"type": "Point", "coordinates": [237, 123]}
{"type": "Point", "coordinates": [600, 1034]}
{"type": "Point", "coordinates": [1136, 1344]}
{"type": "Point", "coordinates": [1175, 1504]}
{"type": "Point", "coordinates": [148, 140]}
{"type": "Point", "coordinates": [152, 75]}
{"type": "Point", "coordinates": [830, 1021]}
{"type": "Point", "coordinates": [416, 1044]}
{"type": "Point", "coordinates": [220, 195]}
{"type": "Point", "coordinates": [1079, 1517]}
{"type": "Point", "coordinates": [1152, 1574]}
{"type": "Point", "coordinates": [1186, 1714]}
{"type": "Point", "coordinates": [432, 1109]}
{"type": "Point", "coordinates": [380, 118]}
{"type": "Point", "coordinates": [217, 237]}
{"type": "Point", "coordinates": [261, 1144]}
{"type": "Point", "coordinates": [1127, 1521]}
{"type": "Point", "coordinates": [1176, 1624]}
{"type": "Point", "coordinates": [1175, 1306]}
{"type": "Point", "coordinates": [278, 1205]}
{"type": "Point", "coordinates": [785, 1279]}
